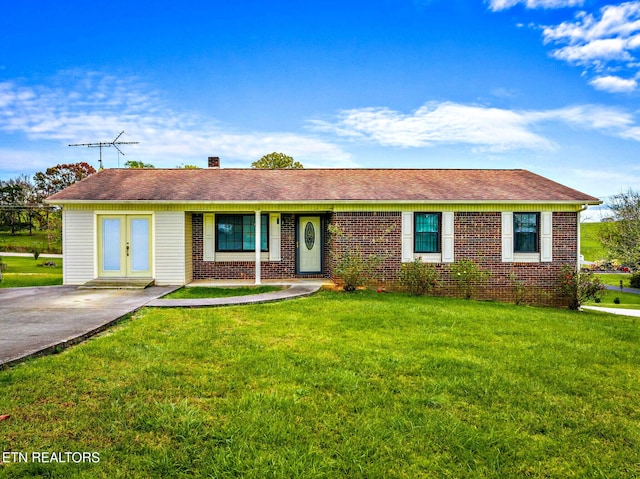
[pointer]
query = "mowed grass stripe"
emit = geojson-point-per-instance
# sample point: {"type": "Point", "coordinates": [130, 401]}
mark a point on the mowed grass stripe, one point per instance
{"type": "Point", "coordinates": [338, 385]}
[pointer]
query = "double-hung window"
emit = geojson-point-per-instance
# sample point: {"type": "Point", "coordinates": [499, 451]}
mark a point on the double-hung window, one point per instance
{"type": "Point", "coordinates": [237, 233]}
{"type": "Point", "coordinates": [426, 236]}
{"type": "Point", "coordinates": [525, 232]}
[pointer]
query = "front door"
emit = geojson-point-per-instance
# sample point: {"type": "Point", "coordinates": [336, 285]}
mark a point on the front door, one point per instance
{"type": "Point", "coordinates": [124, 246]}
{"type": "Point", "coordinates": [309, 244]}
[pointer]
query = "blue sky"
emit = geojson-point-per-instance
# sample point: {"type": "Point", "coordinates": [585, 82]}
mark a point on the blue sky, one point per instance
{"type": "Point", "coordinates": [547, 85]}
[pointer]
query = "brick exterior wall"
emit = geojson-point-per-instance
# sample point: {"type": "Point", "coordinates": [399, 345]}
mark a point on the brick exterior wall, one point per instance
{"type": "Point", "coordinates": [373, 233]}
{"type": "Point", "coordinates": [477, 236]}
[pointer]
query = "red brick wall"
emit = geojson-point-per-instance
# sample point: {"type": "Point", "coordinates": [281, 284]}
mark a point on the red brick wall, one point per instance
{"type": "Point", "coordinates": [373, 233]}
{"type": "Point", "coordinates": [478, 237]}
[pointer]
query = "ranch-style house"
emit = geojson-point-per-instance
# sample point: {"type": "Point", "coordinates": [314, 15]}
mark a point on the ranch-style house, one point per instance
{"type": "Point", "coordinates": [174, 226]}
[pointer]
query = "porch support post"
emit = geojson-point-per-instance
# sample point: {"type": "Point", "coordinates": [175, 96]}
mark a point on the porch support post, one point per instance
{"type": "Point", "coordinates": [258, 246]}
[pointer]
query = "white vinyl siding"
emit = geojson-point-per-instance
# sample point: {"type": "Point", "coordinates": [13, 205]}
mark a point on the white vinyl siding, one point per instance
{"type": "Point", "coordinates": [169, 247]}
{"type": "Point", "coordinates": [78, 246]}
{"type": "Point", "coordinates": [446, 238]}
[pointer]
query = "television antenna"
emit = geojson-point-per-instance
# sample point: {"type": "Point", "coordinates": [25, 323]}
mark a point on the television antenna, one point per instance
{"type": "Point", "coordinates": [106, 144]}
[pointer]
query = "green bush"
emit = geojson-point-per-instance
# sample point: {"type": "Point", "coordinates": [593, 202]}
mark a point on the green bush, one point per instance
{"type": "Point", "coordinates": [417, 277]}
{"type": "Point", "coordinates": [634, 281]}
{"type": "Point", "coordinates": [467, 276]}
{"type": "Point", "coordinates": [354, 269]}
{"type": "Point", "coordinates": [578, 287]}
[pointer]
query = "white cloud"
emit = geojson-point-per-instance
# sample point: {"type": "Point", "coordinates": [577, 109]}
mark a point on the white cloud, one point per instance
{"type": "Point", "coordinates": [614, 84]}
{"type": "Point", "coordinates": [88, 108]}
{"type": "Point", "coordinates": [497, 5]}
{"type": "Point", "coordinates": [603, 42]}
{"type": "Point", "coordinates": [438, 123]}
{"type": "Point", "coordinates": [485, 128]}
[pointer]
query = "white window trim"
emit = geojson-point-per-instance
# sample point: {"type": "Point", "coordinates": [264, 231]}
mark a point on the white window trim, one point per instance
{"type": "Point", "coordinates": [209, 242]}
{"type": "Point", "coordinates": [446, 240]}
{"type": "Point", "coordinates": [545, 229]}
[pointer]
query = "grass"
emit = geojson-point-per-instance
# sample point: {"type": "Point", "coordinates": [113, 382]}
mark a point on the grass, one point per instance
{"type": "Point", "coordinates": [22, 242]}
{"type": "Point", "coordinates": [627, 300]}
{"type": "Point", "coordinates": [22, 272]}
{"type": "Point", "coordinates": [590, 246]}
{"type": "Point", "coordinates": [337, 385]}
{"type": "Point", "coordinates": [219, 292]}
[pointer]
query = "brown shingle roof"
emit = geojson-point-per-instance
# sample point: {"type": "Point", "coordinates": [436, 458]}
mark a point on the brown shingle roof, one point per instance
{"type": "Point", "coordinates": [309, 185]}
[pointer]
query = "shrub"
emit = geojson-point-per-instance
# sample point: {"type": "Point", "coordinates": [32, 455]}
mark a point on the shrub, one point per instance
{"type": "Point", "coordinates": [635, 280]}
{"type": "Point", "coordinates": [417, 277]}
{"type": "Point", "coordinates": [616, 301]}
{"type": "Point", "coordinates": [519, 288]}
{"type": "Point", "coordinates": [36, 253]}
{"type": "Point", "coordinates": [354, 269]}
{"type": "Point", "coordinates": [468, 275]}
{"type": "Point", "coordinates": [579, 287]}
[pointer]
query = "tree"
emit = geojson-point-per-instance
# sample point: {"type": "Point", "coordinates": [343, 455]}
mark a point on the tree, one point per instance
{"type": "Point", "coordinates": [58, 177]}
{"type": "Point", "coordinates": [274, 161]}
{"type": "Point", "coordinates": [54, 179]}
{"type": "Point", "coordinates": [138, 164]}
{"type": "Point", "coordinates": [13, 205]}
{"type": "Point", "coordinates": [621, 238]}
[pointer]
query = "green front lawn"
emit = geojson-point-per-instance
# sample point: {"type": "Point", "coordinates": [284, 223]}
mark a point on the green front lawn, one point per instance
{"type": "Point", "coordinates": [21, 272]}
{"type": "Point", "coordinates": [337, 385]}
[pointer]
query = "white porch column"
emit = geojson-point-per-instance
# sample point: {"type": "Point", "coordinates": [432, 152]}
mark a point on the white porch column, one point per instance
{"type": "Point", "coordinates": [258, 246]}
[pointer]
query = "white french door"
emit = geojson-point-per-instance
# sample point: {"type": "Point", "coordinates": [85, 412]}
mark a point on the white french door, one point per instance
{"type": "Point", "coordinates": [124, 246]}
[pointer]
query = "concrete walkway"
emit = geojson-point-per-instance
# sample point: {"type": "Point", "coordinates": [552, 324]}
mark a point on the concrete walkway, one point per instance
{"type": "Point", "coordinates": [620, 311]}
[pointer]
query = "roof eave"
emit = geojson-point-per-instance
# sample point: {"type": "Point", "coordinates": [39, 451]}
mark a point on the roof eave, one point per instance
{"type": "Point", "coordinates": [592, 202]}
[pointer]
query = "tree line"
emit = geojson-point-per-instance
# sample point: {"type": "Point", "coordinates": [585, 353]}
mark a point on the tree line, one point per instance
{"type": "Point", "coordinates": [22, 198]}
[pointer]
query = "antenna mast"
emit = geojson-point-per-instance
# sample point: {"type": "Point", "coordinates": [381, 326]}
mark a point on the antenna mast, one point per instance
{"type": "Point", "coordinates": [106, 144]}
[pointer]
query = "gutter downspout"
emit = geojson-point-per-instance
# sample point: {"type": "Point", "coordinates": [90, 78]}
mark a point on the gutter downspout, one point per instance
{"type": "Point", "coordinates": [578, 265]}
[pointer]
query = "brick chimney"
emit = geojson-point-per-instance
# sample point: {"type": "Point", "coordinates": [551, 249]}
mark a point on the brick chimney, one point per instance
{"type": "Point", "coordinates": [214, 162]}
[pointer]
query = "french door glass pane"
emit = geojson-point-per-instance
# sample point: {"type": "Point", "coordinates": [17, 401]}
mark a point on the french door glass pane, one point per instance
{"type": "Point", "coordinates": [139, 245]}
{"type": "Point", "coordinates": [111, 244]}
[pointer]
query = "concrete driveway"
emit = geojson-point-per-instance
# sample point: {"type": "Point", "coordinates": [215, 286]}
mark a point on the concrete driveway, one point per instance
{"type": "Point", "coordinates": [39, 320]}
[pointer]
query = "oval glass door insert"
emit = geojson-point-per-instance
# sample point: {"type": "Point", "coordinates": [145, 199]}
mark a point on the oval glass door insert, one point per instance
{"type": "Point", "coordinates": [309, 235]}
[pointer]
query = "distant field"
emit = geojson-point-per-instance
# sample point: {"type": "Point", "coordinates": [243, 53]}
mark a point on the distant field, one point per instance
{"type": "Point", "coordinates": [590, 246]}
{"type": "Point", "coordinates": [23, 242]}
